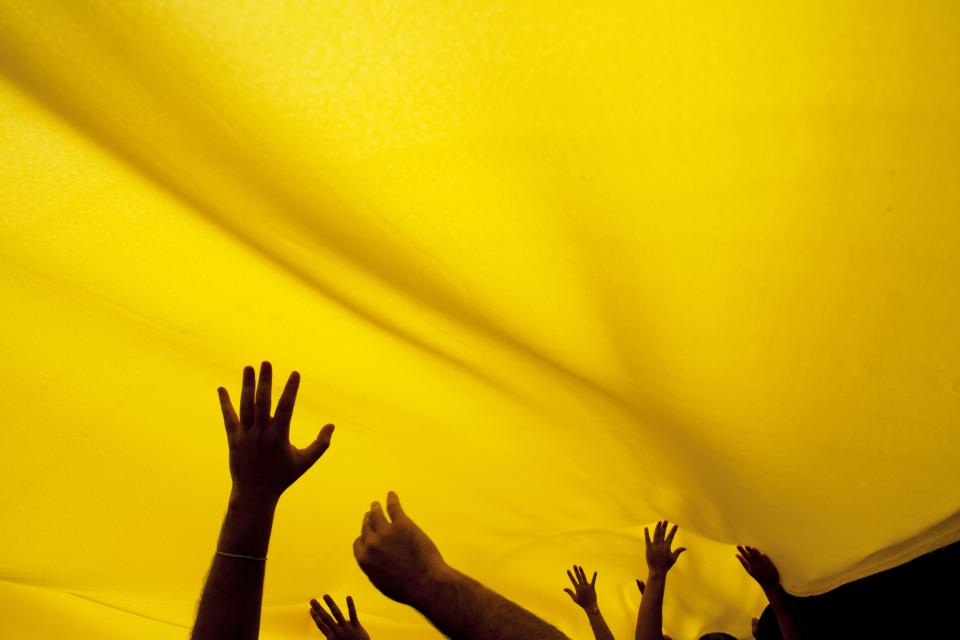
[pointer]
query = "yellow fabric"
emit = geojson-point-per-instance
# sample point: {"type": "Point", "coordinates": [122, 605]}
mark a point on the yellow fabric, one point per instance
{"type": "Point", "coordinates": [555, 270]}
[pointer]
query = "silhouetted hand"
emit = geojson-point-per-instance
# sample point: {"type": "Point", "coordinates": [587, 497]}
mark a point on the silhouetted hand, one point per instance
{"type": "Point", "coordinates": [583, 594]}
{"type": "Point", "coordinates": [659, 556]}
{"type": "Point", "coordinates": [335, 627]}
{"type": "Point", "coordinates": [760, 567]}
{"type": "Point", "coordinates": [398, 557]}
{"type": "Point", "coordinates": [263, 463]}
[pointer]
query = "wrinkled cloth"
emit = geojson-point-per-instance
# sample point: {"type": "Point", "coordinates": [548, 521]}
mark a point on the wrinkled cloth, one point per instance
{"type": "Point", "coordinates": [554, 272]}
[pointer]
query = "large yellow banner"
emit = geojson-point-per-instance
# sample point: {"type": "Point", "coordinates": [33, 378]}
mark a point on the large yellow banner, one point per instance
{"type": "Point", "coordinates": [555, 271]}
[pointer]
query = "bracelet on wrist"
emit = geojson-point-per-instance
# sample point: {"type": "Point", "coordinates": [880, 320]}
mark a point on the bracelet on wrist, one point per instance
{"type": "Point", "coordinates": [240, 555]}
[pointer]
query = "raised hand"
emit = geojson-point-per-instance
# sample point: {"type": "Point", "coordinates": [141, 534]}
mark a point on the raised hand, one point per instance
{"type": "Point", "coordinates": [404, 564]}
{"type": "Point", "coordinates": [660, 558]}
{"type": "Point", "coordinates": [333, 625]}
{"type": "Point", "coordinates": [263, 463]}
{"type": "Point", "coordinates": [759, 567]}
{"type": "Point", "coordinates": [398, 557]}
{"type": "Point", "coordinates": [583, 593]}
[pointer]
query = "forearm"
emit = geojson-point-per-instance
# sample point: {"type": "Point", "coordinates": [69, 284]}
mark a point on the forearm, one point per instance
{"type": "Point", "coordinates": [600, 629]}
{"type": "Point", "coordinates": [650, 615]}
{"type": "Point", "coordinates": [781, 608]}
{"type": "Point", "coordinates": [463, 609]}
{"type": "Point", "coordinates": [230, 603]}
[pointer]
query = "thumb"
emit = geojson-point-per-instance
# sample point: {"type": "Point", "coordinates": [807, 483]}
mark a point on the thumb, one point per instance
{"type": "Point", "coordinates": [676, 554]}
{"type": "Point", "coordinates": [570, 593]}
{"type": "Point", "coordinates": [393, 506]}
{"type": "Point", "coordinates": [315, 449]}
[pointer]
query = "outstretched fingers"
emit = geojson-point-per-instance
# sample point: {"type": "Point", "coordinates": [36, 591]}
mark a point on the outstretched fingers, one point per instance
{"type": "Point", "coordinates": [673, 532]}
{"type": "Point", "coordinates": [750, 557]}
{"type": "Point", "coordinates": [261, 409]}
{"type": "Point", "coordinates": [334, 609]}
{"type": "Point", "coordinates": [246, 397]}
{"type": "Point", "coordinates": [285, 406]}
{"type": "Point", "coordinates": [324, 629]}
{"type": "Point", "coordinates": [352, 612]}
{"type": "Point", "coordinates": [324, 622]}
{"type": "Point", "coordinates": [230, 420]}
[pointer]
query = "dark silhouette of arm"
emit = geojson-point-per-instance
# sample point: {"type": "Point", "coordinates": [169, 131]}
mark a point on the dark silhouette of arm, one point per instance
{"type": "Point", "coordinates": [406, 566]}
{"type": "Point", "coordinates": [584, 595]}
{"type": "Point", "coordinates": [761, 568]}
{"type": "Point", "coordinates": [659, 561]}
{"type": "Point", "coordinates": [263, 464]}
{"type": "Point", "coordinates": [231, 599]}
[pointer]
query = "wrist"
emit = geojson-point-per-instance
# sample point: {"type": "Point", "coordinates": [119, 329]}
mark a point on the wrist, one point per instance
{"type": "Point", "coordinates": [656, 575]}
{"type": "Point", "coordinates": [247, 525]}
{"type": "Point", "coordinates": [435, 582]}
{"type": "Point", "coordinates": [252, 499]}
{"type": "Point", "coordinates": [593, 611]}
{"type": "Point", "coordinates": [772, 590]}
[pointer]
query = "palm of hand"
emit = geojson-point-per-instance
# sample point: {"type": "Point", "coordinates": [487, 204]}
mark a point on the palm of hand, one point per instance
{"type": "Point", "coordinates": [263, 463]}
{"type": "Point", "coordinates": [409, 550]}
{"type": "Point", "coordinates": [259, 459]}
{"type": "Point", "coordinates": [584, 592]}
{"type": "Point", "coordinates": [353, 634]}
{"type": "Point", "coordinates": [334, 625]}
{"type": "Point", "coordinates": [586, 596]}
{"type": "Point", "coordinates": [660, 558]}
{"type": "Point", "coordinates": [759, 566]}
{"type": "Point", "coordinates": [764, 573]}
{"type": "Point", "coordinates": [347, 632]}
{"type": "Point", "coordinates": [398, 557]}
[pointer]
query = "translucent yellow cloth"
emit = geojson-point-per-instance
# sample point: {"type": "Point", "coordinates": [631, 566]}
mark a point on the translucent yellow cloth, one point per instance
{"type": "Point", "coordinates": [555, 271]}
